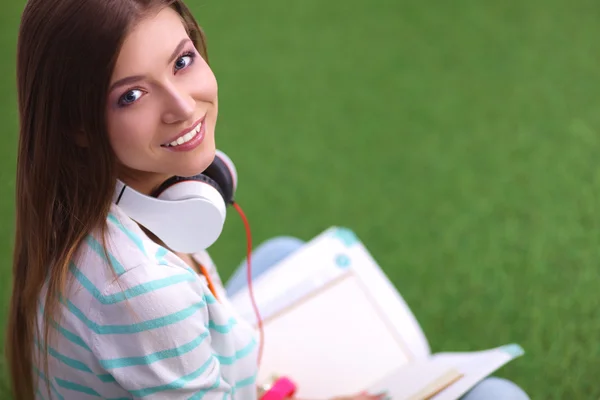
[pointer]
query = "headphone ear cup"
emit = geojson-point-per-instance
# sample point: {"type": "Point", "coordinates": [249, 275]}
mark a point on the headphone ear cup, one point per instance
{"type": "Point", "coordinates": [176, 179]}
{"type": "Point", "coordinates": [220, 173]}
{"type": "Point", "coordinates": [187, 214]}
{"type": "Point", "coordinates": [206, 179]}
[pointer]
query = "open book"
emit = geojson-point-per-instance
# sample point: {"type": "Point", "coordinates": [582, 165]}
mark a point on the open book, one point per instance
{"type": "Point", "coordinates": [336, 325]}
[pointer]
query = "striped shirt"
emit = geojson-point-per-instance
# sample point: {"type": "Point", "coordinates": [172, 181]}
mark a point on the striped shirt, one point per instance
{"type": "Point", "coordinates": [147, 327]}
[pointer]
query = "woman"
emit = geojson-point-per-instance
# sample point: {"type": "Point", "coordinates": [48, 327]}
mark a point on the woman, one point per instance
{"type": "Point", "coordinates": [101, 307]}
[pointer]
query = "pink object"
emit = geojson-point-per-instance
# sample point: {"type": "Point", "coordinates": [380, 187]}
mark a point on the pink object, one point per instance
{"type": "Point", "coordinates": [281, 389]}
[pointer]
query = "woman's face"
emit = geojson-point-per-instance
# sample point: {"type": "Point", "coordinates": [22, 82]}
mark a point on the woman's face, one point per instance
{"type": "Point", "coordinates": [162, 104]}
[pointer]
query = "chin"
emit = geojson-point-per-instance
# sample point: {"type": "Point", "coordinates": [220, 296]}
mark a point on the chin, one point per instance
{"type": "Point", "coordinates": [200, 164]}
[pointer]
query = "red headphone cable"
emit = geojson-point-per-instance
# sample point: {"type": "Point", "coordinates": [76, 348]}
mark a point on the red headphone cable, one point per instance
{"type": "Point", "coordinates": [249, 278]}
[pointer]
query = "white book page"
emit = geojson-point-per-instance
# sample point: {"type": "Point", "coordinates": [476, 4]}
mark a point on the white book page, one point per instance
{"type": "Point", "coordinates": [321, 261]}
{"type": "Point", "coordinates": [475, 366]}
{"type": "Point", "coordinates": [417, 381]}
{"type": "Point", "coordinates": [444, 376]}
{"type": "Point", "coordinates": [336, 342]}
{"type": "Point", "coordinates": [390, 301]}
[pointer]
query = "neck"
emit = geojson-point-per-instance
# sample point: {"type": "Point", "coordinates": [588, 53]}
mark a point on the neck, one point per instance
{"type": "Point", "coordinates": [142, 181]}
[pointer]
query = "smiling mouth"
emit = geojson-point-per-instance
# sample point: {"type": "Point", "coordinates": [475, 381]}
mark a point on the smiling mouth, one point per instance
{"type": "Point", "coordinates": [185, 138]}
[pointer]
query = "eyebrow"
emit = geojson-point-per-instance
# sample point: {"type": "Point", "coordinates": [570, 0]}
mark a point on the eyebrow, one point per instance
{"type": "Point", "coordinates": [135, 78]}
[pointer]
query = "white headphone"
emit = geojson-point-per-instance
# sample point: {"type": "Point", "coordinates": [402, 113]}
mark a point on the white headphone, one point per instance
{"type": "Point", "coordinates": [186, 213]}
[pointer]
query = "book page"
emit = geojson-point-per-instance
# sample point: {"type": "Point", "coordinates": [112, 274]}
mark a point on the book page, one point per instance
{"type": "Point", "coordinates": [321, 261]}
{"type": "Point", "coordinates": [335, 342]}
{"type": "Point", "coordinates": [444, 376]}
{"type": "Point", "coordinates": [475, 366]}
{"type": "Point", "coordinates": [389, 299]}
{"type": "Point", "coordinates": [417, 381]}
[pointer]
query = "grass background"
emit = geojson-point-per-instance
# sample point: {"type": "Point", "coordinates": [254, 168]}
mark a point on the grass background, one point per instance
{"type": "Point", "coordinates": [459, 140]}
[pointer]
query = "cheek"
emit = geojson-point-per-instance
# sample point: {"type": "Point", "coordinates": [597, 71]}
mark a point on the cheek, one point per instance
{"type": "Point", "coordinates": [211, 87]}
{"type": "Point", "coordinates": [130, 133]}
{"type": "Point", "coordinates": [204, 84]}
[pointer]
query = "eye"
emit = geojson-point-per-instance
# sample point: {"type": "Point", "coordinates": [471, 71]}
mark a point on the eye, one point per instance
{"type": "Point", "coordinates": [130, 97]}
{"type": "Point", "coordinates": [184, 61]}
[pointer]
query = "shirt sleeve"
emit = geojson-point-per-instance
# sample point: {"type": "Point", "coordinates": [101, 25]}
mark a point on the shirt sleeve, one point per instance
{"type": "Point", "coordinates": [151, 335]}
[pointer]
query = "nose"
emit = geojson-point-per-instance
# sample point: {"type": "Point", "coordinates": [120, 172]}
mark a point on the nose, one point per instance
{"type": "Point", "coordinates": [179, 105]}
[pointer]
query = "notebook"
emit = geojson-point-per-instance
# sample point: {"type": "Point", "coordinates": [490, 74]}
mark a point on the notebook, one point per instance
{"type": "Point", "coordinates": [336, 325]}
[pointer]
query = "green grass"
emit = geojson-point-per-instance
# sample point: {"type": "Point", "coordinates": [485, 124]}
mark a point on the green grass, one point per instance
{"type": "Point", "coordinates": [459, 140]}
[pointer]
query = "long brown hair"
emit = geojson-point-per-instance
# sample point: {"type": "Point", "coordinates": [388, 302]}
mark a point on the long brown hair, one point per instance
{"type": "Point", "coordinates": [67, 50]}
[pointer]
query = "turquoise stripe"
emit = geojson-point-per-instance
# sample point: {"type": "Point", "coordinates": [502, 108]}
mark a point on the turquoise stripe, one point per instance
{"type": "Point", "coordinates": [160, 253]}
{"type": "Point", "coordinates": [76, 364]}
{"type": "Point", "coordinates": [76, 387]}
{"type": "Point", "coordinates": [134, 238]}
{"type": "Point", "coordinates": [176, 384]}
{"type": "Point", "coordinates": [39, 394]}
{"type": "Point", "coordinates": [46, 380]}
{"type": "Point", "coordinates": [130, 293]}
{"type": "Point", "coordinates": [228, 360]}
{"type": "Point", "coordinates": [226, 328]}
{"type": "Point", "coordinates": [138, 327]}
{"type": "Point", "coordinates": [246, 382]}
{"type": "Point", "coordinates": [151, 358]}
{"type": "Point", "coordinates": [210, 299]}
{"type": "Point", "coordinates": [201, 393]}
{"type": "Point", "coordinates": [240, 384]}
{"type": "Point", "coordinates": [160, 260]}
{"type": "Point", "coordinates": [71, 362]}
{"type": "Point", "coordinates": [70, 336]}
{"type": "Point", "coordinates": [97, 247]}
{"type": "Point", "coordinates": [106, 378]}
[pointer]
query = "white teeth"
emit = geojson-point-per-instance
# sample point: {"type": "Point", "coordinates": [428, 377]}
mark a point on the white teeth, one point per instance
{"type": "Point", "coordinates": [187, 137]}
